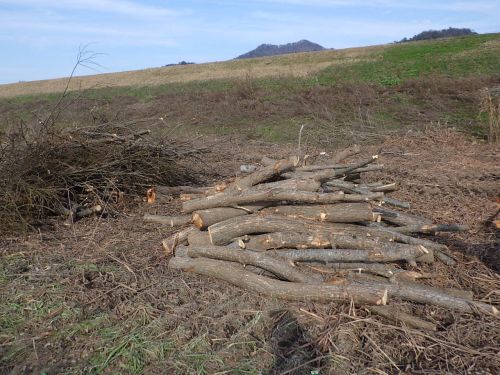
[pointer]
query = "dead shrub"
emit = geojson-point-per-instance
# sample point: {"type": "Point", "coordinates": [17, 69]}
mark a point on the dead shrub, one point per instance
{"type": "Point", "coordinates": [490, 106]}
{"type": "Point", "coordinates": [47, 171]}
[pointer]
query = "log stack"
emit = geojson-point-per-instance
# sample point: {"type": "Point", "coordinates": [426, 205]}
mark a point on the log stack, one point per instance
{"type": "Point", "coordinates": [313, 232]}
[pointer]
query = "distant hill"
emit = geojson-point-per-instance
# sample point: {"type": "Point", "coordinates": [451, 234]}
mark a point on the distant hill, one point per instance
{"type": "Point", "coordinates": [435, 34]}
{"type": "Point", "coordinates": [272, 49]}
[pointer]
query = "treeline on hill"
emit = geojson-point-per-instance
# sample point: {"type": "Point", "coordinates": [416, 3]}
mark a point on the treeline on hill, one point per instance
{"type": "Point", "coordinates": [435, 34]}
{"type": "Point", "coordinates": [272, 49]}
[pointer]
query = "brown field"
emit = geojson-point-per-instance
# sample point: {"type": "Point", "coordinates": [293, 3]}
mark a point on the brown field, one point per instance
{"type": "Point", "coordinates": [295, 65]}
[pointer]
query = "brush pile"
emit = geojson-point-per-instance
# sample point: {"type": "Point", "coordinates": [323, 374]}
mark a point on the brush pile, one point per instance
{"type": "Point", "coordinates": [306, 231]}
{"type": "Point", "coordinates": [47, 172]}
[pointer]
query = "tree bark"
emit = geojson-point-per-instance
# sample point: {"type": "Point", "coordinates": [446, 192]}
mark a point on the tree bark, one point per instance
{"type": "Point", "coordinates": [324, 240]}
{"type": "Point", "coordinates": [294, 184]}
{"type": "Point", "coordinates": [178, 238]}
{"type": "Point", "coordinates": [282, 270]}
{"type": "Point", "coordinates": [171, 221]}
{"type": "Point", "coordinates": [224, 232]}
{"type": "Point", "coordinates": [334, 213]}
{"type": "Point", "coordinates": [198, 238]}
{"type": "Point", "coordinates": [430, 228]}
{"type": "Point", "coordinates": [227, 271]}
{"type": "Point", "coordinates": [410, 254]}
{"type": "Point", "coordinates": [274, 195]}
{"type": "Point", "coordinates": [202, 219]}
{"type": "Point", "coordinates": [400, 218]}
{"type": "Point", "coordinates": [262, 175]}
{"type": "Point", "coordinates": [431, 296]}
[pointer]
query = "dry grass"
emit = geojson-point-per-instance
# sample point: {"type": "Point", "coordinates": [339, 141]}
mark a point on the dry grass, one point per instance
{"type": "Point", "coordinates": [98, 297]}
{"type": "Point", "coordinates": [490, 106]}
{"type": "Point", "coordinates": [294, 65]}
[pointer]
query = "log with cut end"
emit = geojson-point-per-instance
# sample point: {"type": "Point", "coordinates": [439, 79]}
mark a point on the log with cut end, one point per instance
{"type": "Point", "coordinates": [224, 232]}
{"type": "Point", "coordinates": [335, 213]}
{"type": "Point", "coordinates": [392, 313]}
{"type": "Point", "coordinates": [171, 221]}
{"type": "Point", "coordinates": [283, 270]}
{"type": "Point", "coordinates": [262, 175]}
{"type": "Point", "coordinates": [428, 295]}
{"type": "Point", "coordinates": [274, 195]}
{"type": "Point", "coordinates": [350, 255]}
{"type": "Point", "coordinates": [202, 219]}
{"type": "Point", "coordinates": [346, 291]}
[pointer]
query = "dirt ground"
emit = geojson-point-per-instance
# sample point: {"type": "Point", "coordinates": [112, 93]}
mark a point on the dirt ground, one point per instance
{"type": "Point", "coordinates": [98, 297]}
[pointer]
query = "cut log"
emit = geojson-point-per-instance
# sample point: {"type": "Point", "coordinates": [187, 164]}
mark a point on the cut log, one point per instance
{"type": "Point", "coordinates": [262, 175]}
{"type": "Point", "coordinates": [198, 238]}
{"type": "Point", "coordinates": [179, 238]}
{"type": "Point", "coordinates": [224, 232]}
{"type": "Point", "coordinates": [236, 275]}
{"type": "Point", "coordinates": [391, 313]}
{"type": "Point", "coordinates": [171, 221]}
{"type": "Point", "coordinates": [176, 190]}
{"type": "Point", "coordinates": [294, 184]}
{"type": "Point", "coordinates": [430, 228]}
{"type": "Point", "coordinates": [274, 195]}
{"type": "Point", "coordinates": [187, 197]}
{"type": "Point", "coordinates": [384, 270]}
{"type": "Point", "coordinates": [350, 255]}
{"type": "Point", "coordinates": [334, 213]}
{"type": "Point", "coordinates": [282, 270]}
{"type": "Point", "coordinates": [202, 219]}
{"type": "Point", "coordinates": [384, 188]}
{"type": "Point", "coordinates": [327, 174]}
{"type": "Point", "coordinates": [400, 218]}
{"type": "Point", "coordinates": [432, 296]}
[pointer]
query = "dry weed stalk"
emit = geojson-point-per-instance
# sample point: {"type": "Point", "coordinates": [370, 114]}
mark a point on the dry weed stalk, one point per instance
{"type": "Point", "coordinates": [490, 105]}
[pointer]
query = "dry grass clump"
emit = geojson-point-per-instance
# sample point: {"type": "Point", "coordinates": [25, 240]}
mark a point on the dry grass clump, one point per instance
{"type": "Point", "coordinates": [46, 171]}
{"type": "Point", "coordinates": [490, 105]}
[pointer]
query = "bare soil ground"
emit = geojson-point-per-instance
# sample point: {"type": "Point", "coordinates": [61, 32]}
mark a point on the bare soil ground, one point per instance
{"type": "Point", "coordinates": [98, 297]}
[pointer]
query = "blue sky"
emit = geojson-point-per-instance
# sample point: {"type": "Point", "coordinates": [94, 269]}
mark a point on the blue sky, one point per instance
{"type": "Point", "coordinates": [39, 39]}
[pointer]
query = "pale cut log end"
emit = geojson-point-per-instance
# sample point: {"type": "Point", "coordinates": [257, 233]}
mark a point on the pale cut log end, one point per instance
{"type": "Point", "coordinates": [168, 246]}
{"type": "Point", "coordinates": [198, 221]}
{"type": "Point", "coordinates": [383, 300]}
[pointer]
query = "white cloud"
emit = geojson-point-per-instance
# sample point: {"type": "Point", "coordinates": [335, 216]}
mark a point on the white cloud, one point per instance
{"type": "Point", "coordinates": [127, 7]}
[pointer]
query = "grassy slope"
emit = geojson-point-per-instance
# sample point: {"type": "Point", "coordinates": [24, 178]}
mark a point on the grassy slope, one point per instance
{"type": "Point", "coordinates": [351, 93]}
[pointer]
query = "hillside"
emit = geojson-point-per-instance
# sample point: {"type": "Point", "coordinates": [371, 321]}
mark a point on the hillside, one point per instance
{"type": "Point", "coordinates": [272, 50]}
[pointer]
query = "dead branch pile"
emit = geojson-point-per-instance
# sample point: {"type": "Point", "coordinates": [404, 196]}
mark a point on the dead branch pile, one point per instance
{"type": "Point", "coordinates": [45, 171]}
{"type": "Point", "coordinates": [314, 232]}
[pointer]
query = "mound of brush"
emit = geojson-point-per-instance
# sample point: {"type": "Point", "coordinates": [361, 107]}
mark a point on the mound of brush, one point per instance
{"type": "Point", "coordinates": [76, 172]}
{"type": "Point", "coordinates": [297, 230]}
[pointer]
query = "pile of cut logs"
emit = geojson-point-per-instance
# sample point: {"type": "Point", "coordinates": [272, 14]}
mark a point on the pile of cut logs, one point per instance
{"type": "Point", "coordinates": [301, 231]}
